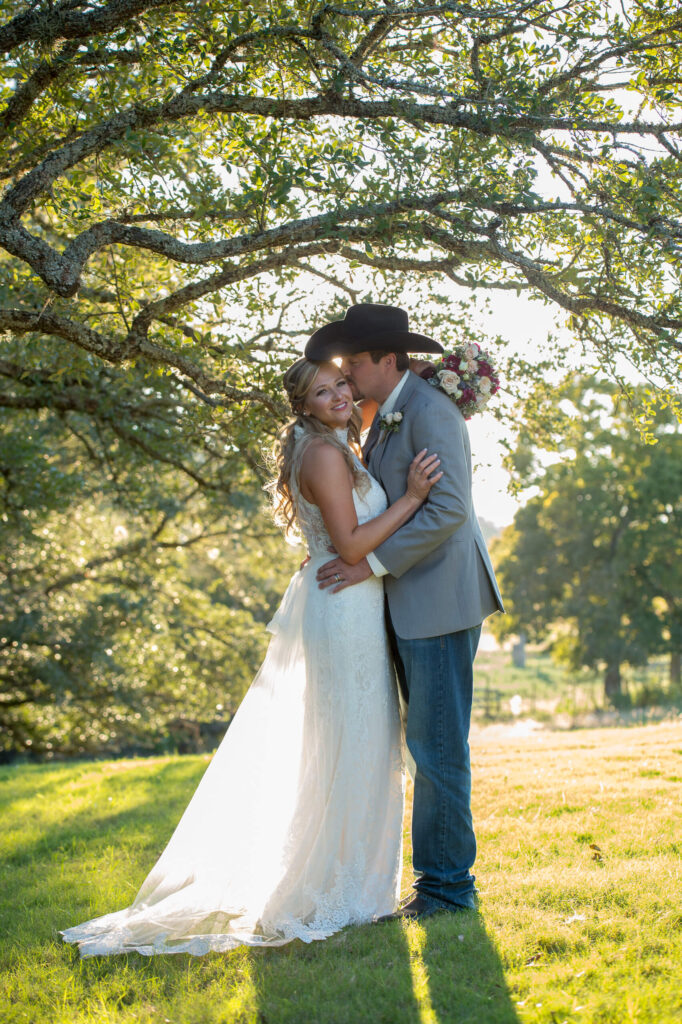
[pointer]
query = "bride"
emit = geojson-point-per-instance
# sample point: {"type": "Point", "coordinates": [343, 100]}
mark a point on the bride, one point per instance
{"type": "Point", "coordinates": [295, 829]}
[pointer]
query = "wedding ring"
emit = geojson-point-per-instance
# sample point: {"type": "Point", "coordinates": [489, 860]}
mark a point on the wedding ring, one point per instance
{"type": "Point", "coordinates": [337, 578]}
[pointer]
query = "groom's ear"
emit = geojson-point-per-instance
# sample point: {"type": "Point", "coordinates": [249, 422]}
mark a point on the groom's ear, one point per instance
{"type": "Point", "coordinates": [398, 361]}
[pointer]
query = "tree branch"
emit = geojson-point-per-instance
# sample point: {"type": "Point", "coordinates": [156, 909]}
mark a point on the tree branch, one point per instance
{"type": "Point", "coordinates": [59, 22]}
{"type": "Point", "coordinates": [59, 275]}
{"type": "Point", "coordinates": [47, 72]}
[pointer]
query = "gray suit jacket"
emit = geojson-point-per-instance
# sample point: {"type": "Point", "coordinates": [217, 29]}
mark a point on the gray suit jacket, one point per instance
{"type": "Point", "coordinates": [440, 576]}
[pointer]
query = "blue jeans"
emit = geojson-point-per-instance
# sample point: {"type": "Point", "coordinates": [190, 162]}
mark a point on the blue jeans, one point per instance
{"type": "Point", "coordinates": [439, 678]}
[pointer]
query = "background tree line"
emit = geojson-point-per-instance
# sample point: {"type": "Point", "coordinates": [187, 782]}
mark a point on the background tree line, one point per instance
{"type": "Point", "coordinates": [592, 564]}
{"type": "Point", "coordinates": [131, 594]}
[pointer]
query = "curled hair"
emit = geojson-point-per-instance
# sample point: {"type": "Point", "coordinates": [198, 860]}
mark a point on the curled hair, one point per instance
{"type": "Point", "coordinates": [296, 436]}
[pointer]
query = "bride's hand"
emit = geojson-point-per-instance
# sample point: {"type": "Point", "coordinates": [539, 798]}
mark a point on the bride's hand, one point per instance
{"type": "Point", "coordinates": [422, 475]}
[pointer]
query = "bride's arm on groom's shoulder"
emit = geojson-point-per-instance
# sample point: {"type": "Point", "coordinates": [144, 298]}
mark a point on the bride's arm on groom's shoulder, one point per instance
{"type": "Point", "coordinates": [448, 508]}
{"type": "Point", "coordinates": [325, 476]}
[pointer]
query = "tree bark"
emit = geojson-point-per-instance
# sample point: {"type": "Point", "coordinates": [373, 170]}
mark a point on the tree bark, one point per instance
{"type": "Point", "coordinates": [519, 652]}
{"type": "Point", "coordinates": [612, 682]}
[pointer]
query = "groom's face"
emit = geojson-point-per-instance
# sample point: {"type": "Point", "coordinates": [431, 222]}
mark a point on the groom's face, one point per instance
{"type": "Point", "coordinates": [367, 378]}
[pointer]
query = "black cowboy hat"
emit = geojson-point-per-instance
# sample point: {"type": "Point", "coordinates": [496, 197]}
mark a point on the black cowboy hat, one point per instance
{"type": "Point", "coordinates": [367, 327]}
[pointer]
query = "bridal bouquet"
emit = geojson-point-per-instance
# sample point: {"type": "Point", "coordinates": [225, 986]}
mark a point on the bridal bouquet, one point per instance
{"type": "Point", "coordinates": [467, 376]}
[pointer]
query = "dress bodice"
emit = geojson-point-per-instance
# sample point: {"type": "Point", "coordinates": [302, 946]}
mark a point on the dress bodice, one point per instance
{"type": "Point", "coordinates": [368, 504]}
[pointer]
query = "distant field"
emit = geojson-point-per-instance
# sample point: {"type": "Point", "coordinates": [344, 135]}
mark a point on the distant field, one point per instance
{"type": "Point", "coordinates": [580, 899]}
{"type": "Point", "coordinates": [547, 690]}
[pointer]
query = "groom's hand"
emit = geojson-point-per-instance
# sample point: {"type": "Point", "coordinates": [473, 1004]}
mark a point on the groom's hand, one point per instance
{"type": "Point", "coordinates": [338, 575]}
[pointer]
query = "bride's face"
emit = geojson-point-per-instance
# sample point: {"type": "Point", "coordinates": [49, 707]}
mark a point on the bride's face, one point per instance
{"type": "Point", "coordinates": [330, 399]}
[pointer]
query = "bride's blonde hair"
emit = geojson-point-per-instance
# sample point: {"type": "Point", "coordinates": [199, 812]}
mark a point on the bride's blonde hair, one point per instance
{"type": "Point", "coordinates": [295, 437]}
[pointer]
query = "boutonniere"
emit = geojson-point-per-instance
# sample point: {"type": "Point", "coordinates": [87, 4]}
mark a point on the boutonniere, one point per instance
{"type": "Point", "coordinates": [390, 423]}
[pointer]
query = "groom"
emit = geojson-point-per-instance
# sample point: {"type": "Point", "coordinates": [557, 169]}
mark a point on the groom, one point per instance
{"type": "Point", "coordinates": [439, 586]}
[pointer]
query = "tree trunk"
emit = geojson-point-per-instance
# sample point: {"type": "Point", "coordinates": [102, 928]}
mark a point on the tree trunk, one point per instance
{"type": "Point", "coordinates": [676, 668]}
{"type": "Point", "coordinates": [612, 680]}
{"type": "Point", "coordinates": [519, 652]}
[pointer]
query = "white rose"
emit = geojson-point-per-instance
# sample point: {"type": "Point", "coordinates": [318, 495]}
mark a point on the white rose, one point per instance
{"type": "Point", "coordinates": [484, 385]}
{"type": "Point", "coordinates": [388, 417]}
{"type": "Point", "coordinates": [471, 351]}
{"type": "Point", "coordinates": [464, 365]}
{"type": "Point", "coordinates": [397, 417]}
{"type": "Point", "coordinates": [449, 381]}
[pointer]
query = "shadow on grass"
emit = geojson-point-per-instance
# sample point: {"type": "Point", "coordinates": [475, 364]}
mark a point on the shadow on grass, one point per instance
{"type": "Point", "coordinates": [86, 860]}
{"type": "Point", "coordinates": [464, 972]}
{"type": "Point", "coordinates": [56, 873]}
{"type": "Point", "coordinates": [443, 971]}
{"type": "Point", "coordinates": [158, 799]}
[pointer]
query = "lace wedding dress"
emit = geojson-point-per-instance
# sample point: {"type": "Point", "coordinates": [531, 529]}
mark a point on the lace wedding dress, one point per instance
{"type": "Point", "coordinates": [295, 829]}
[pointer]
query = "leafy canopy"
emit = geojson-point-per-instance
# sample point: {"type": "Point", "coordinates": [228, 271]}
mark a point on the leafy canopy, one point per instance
{"type": "Point", "coordinates": [177, 175]}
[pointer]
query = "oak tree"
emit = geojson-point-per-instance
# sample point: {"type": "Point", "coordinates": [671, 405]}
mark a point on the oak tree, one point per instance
{"type": "Point", "coordinates": [592, 562]}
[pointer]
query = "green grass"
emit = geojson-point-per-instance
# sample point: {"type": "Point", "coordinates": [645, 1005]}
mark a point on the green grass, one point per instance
{"type": "Point", "coordinates": [580, 909]}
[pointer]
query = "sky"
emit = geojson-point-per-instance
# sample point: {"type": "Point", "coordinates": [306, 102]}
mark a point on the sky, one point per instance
{"type": "Point", "coordinates": [492, 499]}
{"type": "Point", "coordinates": [525, 324]}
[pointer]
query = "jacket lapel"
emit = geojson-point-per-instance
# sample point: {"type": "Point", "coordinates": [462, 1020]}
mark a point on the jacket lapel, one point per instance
{"type": "Point", "coordinates": [384, 441]}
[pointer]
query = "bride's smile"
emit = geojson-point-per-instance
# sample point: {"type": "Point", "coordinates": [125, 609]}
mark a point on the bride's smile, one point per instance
{"type": "Point", "coordinates": [330, 399]}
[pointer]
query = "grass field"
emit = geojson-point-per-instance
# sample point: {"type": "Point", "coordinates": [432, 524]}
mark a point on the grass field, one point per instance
{"type": "Point", "coordinates": [580, 899]}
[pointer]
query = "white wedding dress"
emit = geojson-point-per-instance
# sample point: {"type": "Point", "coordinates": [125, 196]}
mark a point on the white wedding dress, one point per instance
{"type": "Point", "coordinates": [295, 829]}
